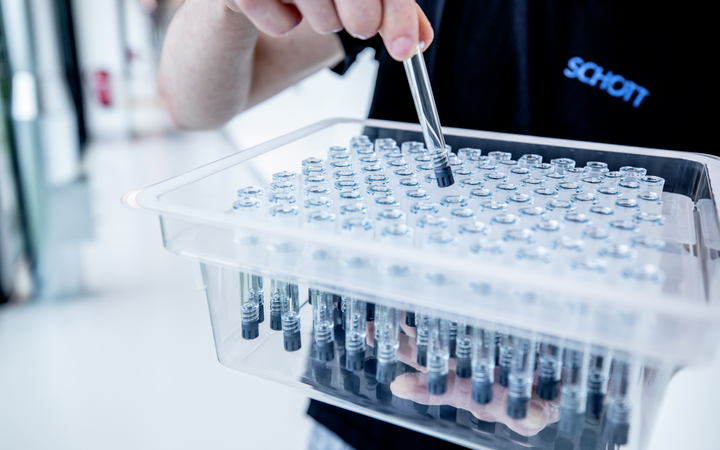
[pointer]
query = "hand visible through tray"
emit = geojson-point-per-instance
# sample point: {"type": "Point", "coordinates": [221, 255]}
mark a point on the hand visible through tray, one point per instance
{"type": "Point", "coordinates": [413, 386]}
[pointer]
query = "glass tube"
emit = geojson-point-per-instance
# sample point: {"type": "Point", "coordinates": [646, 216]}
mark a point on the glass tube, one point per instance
{"type": "Point", "coordinates": [549, 370]}
{"type": "Point", "coordinates": [566, 249]}
{"type": "Point", "coordinates": [552, 180]}
{"type": "Point", "coordinates": [483, 364]}
{"type": "Point", "coordinates": [645, 278]}
{"type": "Point", "coordinates": [542, 169]}
{"type": "Point", "coordinates": [290, 312]}
{"type": "Point", "coordinates": [597, 381]}
{"type": "Point", "coordinates": [607, 196]}
{"type": "Point", "coordinates": [503, 191]}
{"type": "Point", "coordinates": [557, 209]}
{"type": "Point", "coordinates": [630, 173]}
{"type": "Point", "coordinates": [468, 153]}
{"type": "Point", "coordinates": [529, 160]}
{"type": "Point", "coordinates": [517, 174]}
{"type": "Point", "coordinates": [601, 216]}
{"type": "Point", "coordinates": [506, 348]}
{"type": "Point", "coordinates": [520, 378]}
{"type": "Point", "coordinates": [619, 257]}
{"type": "Point", "coordinates": [650, 183]}
{"type": "Point", "coordinates": [622, 231]}
{"type": "Point", "coordinates": [463, 350]}
{"type": "Point", "coordinates": [596, 168]}
{"type": "Point", "coordinates": [490, 250]}
{"type": "Point", "coordinates": [650, 202]}
{"type": "Point", "coordinates": [276, 304]}
{"type": "Point", "coordinates": [428, 225]}
{"type": "Point", "coordinates": [355, 333]}
{"type": "Point", "coordinates": [584, 201]}
{"type": "Point", "coordinates": [489, 210]}
{"type": "Point", "coordinates": [249, 307]}
{"type": "Point", "coordinates": [422, 337]}
{"type": "Point", "coordinates": [323, 325]}
{"type": "Point", "coordinates": [470, 232]}
{"type": "Point", "coordinates": [247, 208]}
{"type": "Point", "coordinates": [573, 398]}
{"type": "Point", "coordinates": [560, 165]}
{"type": "Point", "coordinates": [624, 380]}
{"type": "Point", "coordinates": [595, 238]}
{"type": "Point", "coordinates": [591, 184]}
{"type": "Point", "coordinates": [388, 218]}
{"type": "Point", "coordinates": [547, 231]}
{"type": "Point", "coordinates": [387, 342]}
{"type": "Point", "coordinates": [575, 174]}
{"type": "Point", "coordinates": [438, 356]}
{"type": "Point", "coordinates": [567, 189]}
{"type": "Point", "coordinates": [399, 235]}
{"type": "Point", "coordinates": [650, 224]}
{"type": "Point", "coordinates": [629, 189]}
{"type": "Point", "coordinates": [649, 249]}
{"type": "Point", "coordinates": [380, 204]}
{"type": "Point", "coordinates": [532, 215]}
{"type": "Point", "coordinates": [492, 179]}
{"type": "Point", "coordinates": [497, 156]}
{"type": "Point", "coordinates": [479, 195]}
{"type": "Point", "coordinates": [575, 224]}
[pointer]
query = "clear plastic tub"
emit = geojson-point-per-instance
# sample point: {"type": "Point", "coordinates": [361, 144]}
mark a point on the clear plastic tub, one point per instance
{"type": "Point", "coordinates": [597, 351]}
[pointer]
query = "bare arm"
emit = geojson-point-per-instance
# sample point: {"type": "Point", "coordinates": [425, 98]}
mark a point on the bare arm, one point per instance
{"type": "Point", "coordinates": [216, 63]}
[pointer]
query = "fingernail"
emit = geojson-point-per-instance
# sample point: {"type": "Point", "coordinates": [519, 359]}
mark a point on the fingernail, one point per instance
{"type": "Point", "coordinates": [338, 30]}
{"type": "Point", "coordinates": [401, 47]}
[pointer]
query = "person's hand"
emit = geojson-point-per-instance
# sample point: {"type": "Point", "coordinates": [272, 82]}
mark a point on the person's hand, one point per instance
{"type": "Point", "coordinates": [401, 23]}
{"type": "Point", "coordinates": [413, 386]}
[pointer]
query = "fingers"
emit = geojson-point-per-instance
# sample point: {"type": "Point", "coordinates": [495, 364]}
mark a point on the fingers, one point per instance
{"type": "Point", "coordinates": [361, 18]}
{"type": "Point", "coordinates": [321, 15]}
{"type": "Point", "coordinates": [272, 17]}
{"type": "Point", "coordinates": [426, 31]}
{"type": "Point", "coordinates": [400, 27]}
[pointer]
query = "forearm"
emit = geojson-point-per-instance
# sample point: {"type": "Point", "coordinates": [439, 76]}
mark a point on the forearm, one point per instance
{"type": "Point", "coordinates": [207, 64]}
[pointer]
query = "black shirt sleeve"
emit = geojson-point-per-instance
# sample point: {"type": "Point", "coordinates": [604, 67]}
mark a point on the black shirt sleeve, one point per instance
{"type": "Point", "coordinates": [353, 47]}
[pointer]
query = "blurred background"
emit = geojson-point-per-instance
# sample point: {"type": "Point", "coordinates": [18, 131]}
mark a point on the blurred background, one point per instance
{"type": "Point", "coordinates": [104, 341]}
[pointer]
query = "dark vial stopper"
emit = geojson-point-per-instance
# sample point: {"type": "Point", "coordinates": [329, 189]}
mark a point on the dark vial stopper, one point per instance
{"type": "Point", "coordinates": [547, 389]}
{"type": "Point", "coordinates": [324, 352]}
{"type": "Point", "coordinates": [250, 330]}
{"type": "Point", "coordinates": [463, 367]}
{"type": "Point", "coordinates": [563, 443]}
{"type": "Point", "coordinates": [370, 308]}
{"type": "Point", "coordinates": [503, 376]}
{"type": "Point", "coordinates": [386, 372]}
{"type": "Point", "coordinates": [410, 319]}
{"type": "Point", "coordinates": [292, 341]}
{"type": "Point", "coordinates": [309, 297]}
{"type": "Point", "coordinates": [444, 176]}
{"type": "Point", "coordinates": [617, 433]}
{"type": "Point", "coordinates": [570, 422]}
{"type": "Point", "coordinates": [595, 403]}
{"type": "Point", "coordinates": [383, 394]}
{"type": "Point", "coordinates": [588, 439]}
{"type": "Point", "coordinates": [482, 392]}
{"type": "Point", "coordinates": [453, 346]}
{"type": "Point", "coordinates": [322, 373]}
{"type": "Point", "coordinates": [448, 413]}
{"type": "Point", "coordinates": [482, 425]}
{"type": "Point", "coordinates": [548, 434]}
{"type": "Point", "coordinates": [422, 355]}
{"type": "Point", "coordinates": [351, 383]}
{"type": "Point", "coordinates": [437, 384]}
{"type": "Point", "coordinates": [517, 407]}
{"type": "Point", "coordinates": [370, 371]}
{"type": "Point", "coordinates": [354, 361]}
{"type": "Point", "coordinates": [275, 321]}
{"type": "Point", "coordinates": [261, 310]}
{"type": "Point", "coordinates": [420, 407]}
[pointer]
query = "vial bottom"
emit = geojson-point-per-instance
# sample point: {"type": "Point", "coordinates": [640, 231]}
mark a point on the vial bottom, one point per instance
{"type": "Point", "coordinates": [463, 367]}
{"type": "Point", "coordinates": [437, 383]}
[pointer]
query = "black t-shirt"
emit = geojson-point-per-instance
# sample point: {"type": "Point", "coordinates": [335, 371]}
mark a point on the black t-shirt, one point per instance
{"type": "Point", "coordinates": [633, 73]}
{"type": "Point", "coordinates": [612, 71]}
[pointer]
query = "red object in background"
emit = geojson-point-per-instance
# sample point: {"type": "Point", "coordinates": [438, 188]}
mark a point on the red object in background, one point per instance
{"type": "Point", "coordinates": [101, 86]}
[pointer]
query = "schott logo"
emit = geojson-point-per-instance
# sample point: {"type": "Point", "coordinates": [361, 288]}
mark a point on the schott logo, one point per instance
{"type": "Point", "coordinates": [614, 84]}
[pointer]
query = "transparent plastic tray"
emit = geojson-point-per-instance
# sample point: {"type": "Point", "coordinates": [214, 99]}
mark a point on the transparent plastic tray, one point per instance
{"type": "Point", "coordinates": [663, 328]}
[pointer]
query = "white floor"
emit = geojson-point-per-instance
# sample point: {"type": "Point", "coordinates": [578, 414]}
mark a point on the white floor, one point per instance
{"type": "Point", "coordinates": [131, 364]}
